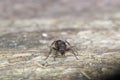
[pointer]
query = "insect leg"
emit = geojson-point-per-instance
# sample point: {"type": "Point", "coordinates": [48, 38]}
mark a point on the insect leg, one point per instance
{"type": "Point", "coordinates": [51, 48]}
{"type": "Point", "coordinates": [72, 51]}
{"type": "Point", "coordinates": [52, 43]}
{"type": "Point", "coordinates": [55, 55]}
{"type": "Point", "coordinates": [73, 47]}
{"type": "Point", "coordinates": [49, 53]}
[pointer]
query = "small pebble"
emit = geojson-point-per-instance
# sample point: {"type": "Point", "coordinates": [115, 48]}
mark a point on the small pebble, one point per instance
{"type": "Point", "coordinates": [44, 35]}
{"type": "Point", "coordinates": [104, 69]}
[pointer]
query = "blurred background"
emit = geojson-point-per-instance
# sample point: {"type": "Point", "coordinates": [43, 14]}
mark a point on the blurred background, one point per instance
{"type": "Point", "coordinates": [28, 27]}
{"type": "Point", "coordinates": [36, 9]}
{"type": "Point", "coordinates": [41, 17]}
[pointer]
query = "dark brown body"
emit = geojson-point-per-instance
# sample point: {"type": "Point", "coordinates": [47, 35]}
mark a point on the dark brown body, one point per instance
{"type": "Point", "coordinates": [61, 47]}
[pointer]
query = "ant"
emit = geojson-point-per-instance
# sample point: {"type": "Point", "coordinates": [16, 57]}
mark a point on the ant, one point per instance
{"type": "Point", "coordinates": [61, 47]}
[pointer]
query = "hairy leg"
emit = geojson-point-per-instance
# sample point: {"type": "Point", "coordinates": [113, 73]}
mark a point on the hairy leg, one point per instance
{"type": "Point", "coordinates": [51, 48]}
{"type": "Point", "coordinates": [55, 55]}
{"type": "Point", "coordinates": [52, 43]}
{"type": "Point", "coordinates": [72, 47]}
{"type": "Point", "coordinates": [72, 51]}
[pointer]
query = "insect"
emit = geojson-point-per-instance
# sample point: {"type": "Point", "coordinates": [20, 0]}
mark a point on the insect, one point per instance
{"type": "Point", "coordinates": [61, 46]}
